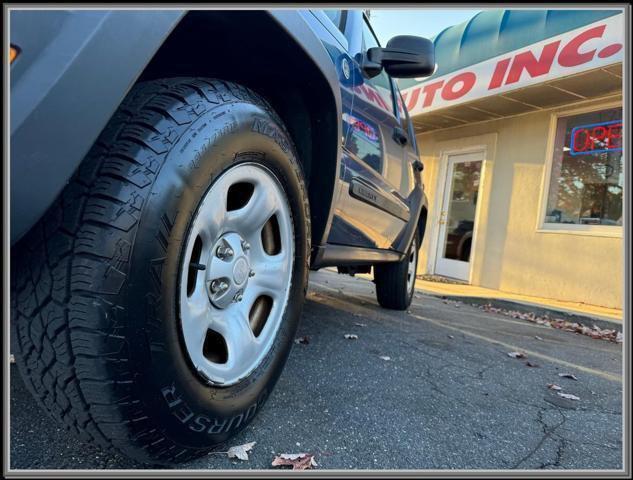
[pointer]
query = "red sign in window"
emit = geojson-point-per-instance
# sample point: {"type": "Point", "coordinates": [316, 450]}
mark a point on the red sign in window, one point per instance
{"type": "Point", "coordinates": [596, 138]}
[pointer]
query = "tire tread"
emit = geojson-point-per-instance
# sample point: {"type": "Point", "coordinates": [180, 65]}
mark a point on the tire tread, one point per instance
{"type": "Point", "coordinates": [68, 342]}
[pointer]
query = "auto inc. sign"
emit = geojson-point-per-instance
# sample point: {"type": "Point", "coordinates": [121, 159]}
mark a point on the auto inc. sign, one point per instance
{"type": "Point", "coordinates": [594, 45]}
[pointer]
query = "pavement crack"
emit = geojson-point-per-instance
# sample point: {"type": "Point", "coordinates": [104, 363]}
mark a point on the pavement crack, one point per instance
{"type": "Point", "coordinates": [547, 433]}
{"type": "Point", "coordinates": [560, 449]}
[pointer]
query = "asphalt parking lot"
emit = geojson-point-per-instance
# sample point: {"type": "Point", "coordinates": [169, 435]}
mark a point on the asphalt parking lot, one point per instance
{"type": "Point", "coordinates": [448, 397]}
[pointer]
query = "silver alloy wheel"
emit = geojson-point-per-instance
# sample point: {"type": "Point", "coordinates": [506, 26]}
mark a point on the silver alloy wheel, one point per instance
{"type": "Point", "coordinates": [413, 259]}
{"type": "Point", "coordinates": [236, 271]}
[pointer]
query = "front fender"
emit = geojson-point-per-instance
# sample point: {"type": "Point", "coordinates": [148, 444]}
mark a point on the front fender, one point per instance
{"type": "Point", "coordinates": [312, 36]}
{"type": "Point", "coordinates": [74, 69]}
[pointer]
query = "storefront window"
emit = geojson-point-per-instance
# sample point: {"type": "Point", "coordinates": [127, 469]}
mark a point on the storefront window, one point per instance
{"type": "Point", "coordinates": [587, 179]}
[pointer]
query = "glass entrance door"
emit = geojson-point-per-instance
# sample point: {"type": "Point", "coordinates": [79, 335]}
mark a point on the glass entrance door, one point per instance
{"type": "Point", "coordinates": [457, 217]}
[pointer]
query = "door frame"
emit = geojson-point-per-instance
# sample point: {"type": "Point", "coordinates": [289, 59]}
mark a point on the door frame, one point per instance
{"type": "Point", "coordinates": [437, 208]}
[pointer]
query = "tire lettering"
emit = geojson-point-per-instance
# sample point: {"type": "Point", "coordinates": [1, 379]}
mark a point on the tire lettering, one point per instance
{"type": "Point", "coordinates": [184, 413]}
{"type": "Point", "coordinates": [199, 422]}
{"type": "Point", "coordinates": [169, 396]}
{"type": "Point", "coordinates": [217, 427]}
{"type": "Point", "coordinates": [263, 127]}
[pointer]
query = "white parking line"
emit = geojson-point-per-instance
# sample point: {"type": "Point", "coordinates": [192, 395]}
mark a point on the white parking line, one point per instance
{"type": "Point", "coordinates": [509, 346]}
{"type": "Point", "coordinates": [542, 356]}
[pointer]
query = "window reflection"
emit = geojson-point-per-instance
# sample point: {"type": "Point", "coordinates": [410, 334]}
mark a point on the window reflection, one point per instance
{"type": "Point", "coordinates": [587, 178]}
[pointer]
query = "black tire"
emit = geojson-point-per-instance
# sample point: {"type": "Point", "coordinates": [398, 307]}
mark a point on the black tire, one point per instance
{"type": "Point", "coordinates": [95, 315]}
{"type": "Point", "coordinates": [392, 290]}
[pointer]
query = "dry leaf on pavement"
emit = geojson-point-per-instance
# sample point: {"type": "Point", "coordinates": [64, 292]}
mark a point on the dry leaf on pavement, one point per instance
{"type": "Point", "coordinates": [351, 336]}
{"type": "Point", "coordinates": [530, 364]}
{"type": "Point", "coordinates": [553, 386]}
{"type": "Point", "coordinates": [360, 324]}
{"type": "Point", "coordinates": [240, 451]}
{"type": "Point", "coordinates": [568, 375]}
{"type": "Point", "coordinates": [516, 355]}
{"type": "Point", "coordinates": [298, 461]}
{"type": "Point", "coordinates": [302, 340]}
{"type": "Point", "coordinates": [384, 357]}
{"type": "Point", "coordinates": [568, 396]}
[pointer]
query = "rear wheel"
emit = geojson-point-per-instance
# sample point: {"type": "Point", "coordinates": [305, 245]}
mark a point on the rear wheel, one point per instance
{"type": "Point", "coordinates": [156, 302]}
{"type": "Point", "coordinates": [395, 282]}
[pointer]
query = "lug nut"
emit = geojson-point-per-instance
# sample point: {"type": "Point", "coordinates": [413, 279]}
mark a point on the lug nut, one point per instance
{"type": "Point", "coordinates": [224, 252]}
{"type": "Point", "coordinates": [238, 297]}
{"type": "Point", "coordinates": [246, 246]}
{"type": "Point", "coordinates": [218, 286]}
{"type": "Point", "coordinates": [251, 273]}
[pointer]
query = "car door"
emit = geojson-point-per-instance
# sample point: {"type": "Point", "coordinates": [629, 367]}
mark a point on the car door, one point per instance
{"type": "Point", "coordinates": [372, 210]}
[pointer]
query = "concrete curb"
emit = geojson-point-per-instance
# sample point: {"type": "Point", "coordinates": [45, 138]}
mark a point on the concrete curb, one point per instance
{"type": "Point", "coordinates": [587, 320]}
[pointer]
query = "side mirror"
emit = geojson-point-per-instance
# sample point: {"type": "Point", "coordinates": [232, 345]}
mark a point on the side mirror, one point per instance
{"type": "Point", "coordinates": [405, 56]}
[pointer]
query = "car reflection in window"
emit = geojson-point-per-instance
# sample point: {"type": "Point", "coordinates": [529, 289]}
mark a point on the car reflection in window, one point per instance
{"type": "Point", "coordinates": [363, 140]}
{"type": "Point", "coordinates": [459, 241]}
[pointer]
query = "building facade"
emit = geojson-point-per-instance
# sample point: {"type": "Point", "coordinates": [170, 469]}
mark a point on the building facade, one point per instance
{"type": "Point", "coordinates": [520, 132]}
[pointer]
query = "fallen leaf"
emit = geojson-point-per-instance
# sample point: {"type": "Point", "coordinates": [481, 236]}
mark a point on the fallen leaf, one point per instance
{"type": "Point", "coordinates": [568, 375]}
{"type": "Point", "coordinates": [538, 338]}
{"type": "Point", "coordinates": [360, 324]}
{"type": "Point", "coordinates": [568, 396]}
{"type": "Point", "coordinates": [516, 355]}
{"type": "Point", "coordinates": [594, 332]}
{"type": "Point", "coordinates": [351, 336]}
{"type": "Point", "coordinates": [530, 364]}
{"type": "Point", "coordinates": [553, 386]}
{"type": "Point", "coordinates": [298, 461]}
{"type": "Point", "coordinates": [383, 357]}
{"type": "Point", "coordinates": [240, 451]}
{"type": "Point", "coordinates": [302, 340]}
{"type": "Point", "coordinates": [451, 336]}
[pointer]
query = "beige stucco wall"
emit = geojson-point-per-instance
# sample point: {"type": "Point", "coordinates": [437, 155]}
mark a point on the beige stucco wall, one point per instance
{"type": "Point", "coordinates": [509, 253]}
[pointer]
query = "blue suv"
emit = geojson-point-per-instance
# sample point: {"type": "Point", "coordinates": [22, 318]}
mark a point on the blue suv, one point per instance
{"type": "Point", "coordinates": [174, 177]}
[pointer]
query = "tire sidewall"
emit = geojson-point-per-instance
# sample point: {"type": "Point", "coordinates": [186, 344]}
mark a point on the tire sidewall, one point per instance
{"type": "Point", "coordinates": [192, 412]}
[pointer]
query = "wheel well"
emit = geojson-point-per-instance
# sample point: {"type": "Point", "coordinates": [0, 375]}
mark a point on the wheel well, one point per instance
{"type": "Point", "coordinates": [422, 224]}
{"type": "Point", "coordinates": [250, 48]}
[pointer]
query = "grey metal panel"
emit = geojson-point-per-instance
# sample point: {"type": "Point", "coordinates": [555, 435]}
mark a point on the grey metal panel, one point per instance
{"type": "Point", "coordinates": [74, 69]}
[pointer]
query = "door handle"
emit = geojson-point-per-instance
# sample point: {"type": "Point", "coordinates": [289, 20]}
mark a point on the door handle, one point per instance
{"type": "Point", "coordinates": [399, 136]}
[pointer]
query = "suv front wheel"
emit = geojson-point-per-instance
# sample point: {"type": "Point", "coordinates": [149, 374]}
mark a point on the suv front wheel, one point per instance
{"type": "Point", "coordinates": [156, 302]}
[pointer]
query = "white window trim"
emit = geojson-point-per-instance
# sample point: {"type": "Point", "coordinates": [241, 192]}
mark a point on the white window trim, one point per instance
{"type": "Point", "coordinates": [615, 231]}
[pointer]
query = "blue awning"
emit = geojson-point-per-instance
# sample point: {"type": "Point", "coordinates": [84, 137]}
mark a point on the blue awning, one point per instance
{"type": "Point", "coordinates": [494, 32]}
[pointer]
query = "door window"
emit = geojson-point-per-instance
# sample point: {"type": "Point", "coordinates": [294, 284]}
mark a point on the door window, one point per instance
{"type": "Point", "coordinates": [405, 120]}
{"type": "Point", "coordinates": [376, 90]}
{"type": "Point", "coordinates": [336, 16]}
{"type": "Point", "coordinates": [462, 205]}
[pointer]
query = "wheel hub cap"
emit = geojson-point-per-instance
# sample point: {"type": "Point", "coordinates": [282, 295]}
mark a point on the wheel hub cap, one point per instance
{"type": "Point", "coordinates": [236, 272]}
